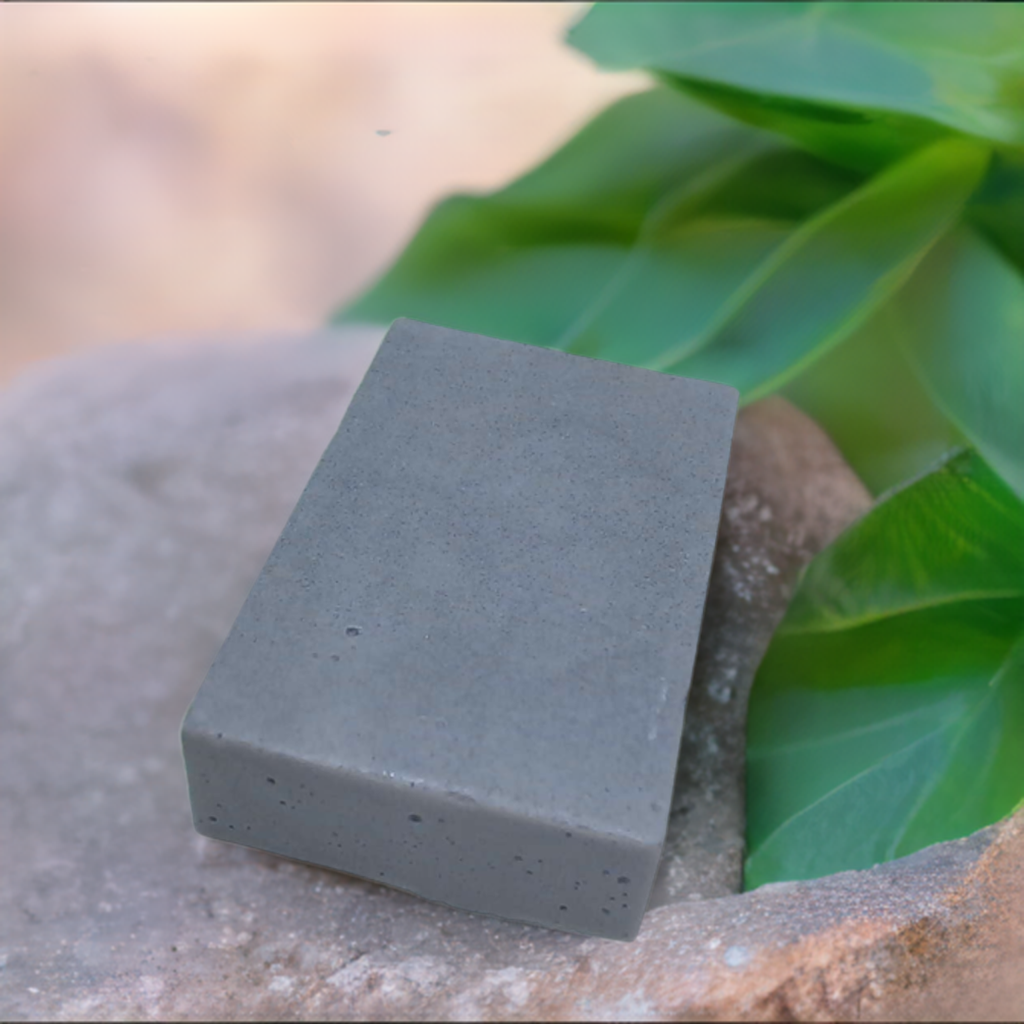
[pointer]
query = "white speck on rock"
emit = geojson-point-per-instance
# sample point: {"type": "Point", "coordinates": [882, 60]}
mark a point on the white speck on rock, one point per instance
{"type": "Point", "coordinates": [632, 1007]}
{"type": "Point", "coordinates": [512, 983]}
{"type": "Point", "coordinates": [282, 983]}
{"type": "Point", "coordinates": [151, 986]}
{"type": "Point", "coordinates": [720, 692]}
{"type": "Point", "coordinates": [230, 939]}
{"type": "Point", "coordinates": [736, 956]}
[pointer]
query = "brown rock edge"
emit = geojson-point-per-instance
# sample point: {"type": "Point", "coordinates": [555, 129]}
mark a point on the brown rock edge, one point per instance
{"type": "Point", "coordinates": [938, 935]}
{"type": "Point", "coordinates": [140, 491]}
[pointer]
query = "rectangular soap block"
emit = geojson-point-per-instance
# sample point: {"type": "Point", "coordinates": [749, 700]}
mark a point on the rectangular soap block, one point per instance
{"type": "Point", "coordinates": [463, 669]}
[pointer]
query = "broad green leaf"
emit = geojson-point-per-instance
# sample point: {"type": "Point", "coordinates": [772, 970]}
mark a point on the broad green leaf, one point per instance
{"type": "Point", "coordinates": [860, 83]}
{"type": "Point", "coordinates": [832, 273]}
{"type": "Point", "coordinates": [869, 400]}
{"type": "Point", "coordinates": [672, 283]}
{"type": "Point", "coordinates": [961, 321]}
{"type": "Point", "coordinates": [672, 211]}
{"type": "Point", "coordinates": [696, 251]}
{"type": "Point", "coordinates": [888, 713]}
{"type": "Point", "coordinates": [524, 262]}
{"type": "Point", "coordinates": [744, 269]}
{"type": "Point", "coordinates": [864, 142]}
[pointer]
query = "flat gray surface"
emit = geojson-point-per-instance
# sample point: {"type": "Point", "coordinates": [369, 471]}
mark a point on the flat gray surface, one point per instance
{"type": "Point", "coordinates": [481, 617]}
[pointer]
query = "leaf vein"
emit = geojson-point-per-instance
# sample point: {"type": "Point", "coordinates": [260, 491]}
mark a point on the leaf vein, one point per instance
{"type": "Point", "coordinates": [838, 625]}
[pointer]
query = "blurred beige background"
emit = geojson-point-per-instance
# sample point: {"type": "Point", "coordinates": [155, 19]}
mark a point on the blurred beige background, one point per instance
{"type": "Point", "coordinates": [216, 168]}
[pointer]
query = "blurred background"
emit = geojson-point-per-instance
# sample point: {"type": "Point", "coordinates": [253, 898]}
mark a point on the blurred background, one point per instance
{"type": "Point", "coordinates": [170, 169]}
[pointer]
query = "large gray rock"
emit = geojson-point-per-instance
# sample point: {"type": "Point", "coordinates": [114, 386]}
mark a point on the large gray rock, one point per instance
{"type": "Point", "coordinates": [140, 491]}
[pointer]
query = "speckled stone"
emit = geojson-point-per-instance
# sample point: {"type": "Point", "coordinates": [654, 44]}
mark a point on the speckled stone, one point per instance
{"type": "Point", "coordinates": [464, 667]}
{"type": "Point", "coordinates": [141, 490]}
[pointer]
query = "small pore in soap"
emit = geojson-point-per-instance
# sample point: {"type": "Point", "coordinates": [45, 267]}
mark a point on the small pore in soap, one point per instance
{"type": "Point", "coordinates": [415, 817]}
{"type": "Point", "coordinates": [352, 631]}
{"type": "Point", "coordinates": [273, 782]}
{"type": "Point", "coordinates": [622, 880]}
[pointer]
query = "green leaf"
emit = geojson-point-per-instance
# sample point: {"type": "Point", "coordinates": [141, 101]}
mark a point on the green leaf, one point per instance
{"type": "Point", "coordinates": [832, 273]}
{"type": "Point", "coordinates": [696, 251]}
{"type": "Point", "coordinates": [888, 713]}
{"type": "Point", "coordinates": [861, 83]}
{"type": "Point", "coordinates": [961, 320]}
{"type": "Point", "coordinates": [746, 265]}
{"type": "Point", "coordinates": [523, 262]}
{"type": "Point", "coordinates": [899, 432]}
{"type": "Point", "coordinates": [629, 238]}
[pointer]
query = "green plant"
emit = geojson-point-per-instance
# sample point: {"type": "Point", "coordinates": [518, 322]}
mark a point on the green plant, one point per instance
{"type": "Point", "coordinates": [825, 200]}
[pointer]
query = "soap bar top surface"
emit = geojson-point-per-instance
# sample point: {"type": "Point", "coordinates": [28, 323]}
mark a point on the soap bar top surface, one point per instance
{"type": "Point", "coordinates": [493, 584]}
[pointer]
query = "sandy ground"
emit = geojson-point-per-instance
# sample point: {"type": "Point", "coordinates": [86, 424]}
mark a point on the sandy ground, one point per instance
{"type": "Point", "coordinates": [216, 168]}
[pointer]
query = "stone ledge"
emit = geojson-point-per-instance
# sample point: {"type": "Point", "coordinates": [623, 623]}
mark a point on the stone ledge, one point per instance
{"type": "Point", "coordinates": [140, 490]}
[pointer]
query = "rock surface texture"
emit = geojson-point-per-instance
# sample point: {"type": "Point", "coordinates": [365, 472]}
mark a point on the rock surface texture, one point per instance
{"type": "Point", "coordinates": [141, 489]}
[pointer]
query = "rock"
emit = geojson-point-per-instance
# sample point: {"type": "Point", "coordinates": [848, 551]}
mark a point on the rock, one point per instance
{"type": "Point", "coordinates": [787, 495]}
{"type": "Point", "coordinates": [140, 491]}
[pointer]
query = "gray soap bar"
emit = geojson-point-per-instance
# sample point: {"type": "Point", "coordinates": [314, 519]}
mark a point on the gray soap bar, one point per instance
{"type": "Point", "coordinates": [463, 669]}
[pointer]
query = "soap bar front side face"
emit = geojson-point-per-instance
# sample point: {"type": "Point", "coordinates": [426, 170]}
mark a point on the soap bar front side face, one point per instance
{"type": "Point", "coordinates": [463, 669]}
